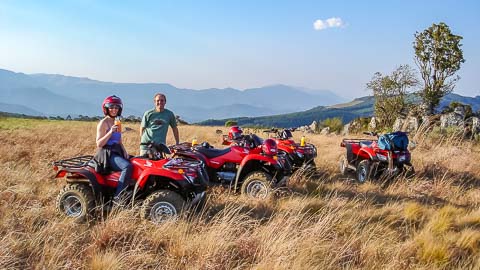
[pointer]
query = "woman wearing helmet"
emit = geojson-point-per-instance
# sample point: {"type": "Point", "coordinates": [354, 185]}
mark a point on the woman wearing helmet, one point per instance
{"type": "Point", "coordinates": [111, 154]}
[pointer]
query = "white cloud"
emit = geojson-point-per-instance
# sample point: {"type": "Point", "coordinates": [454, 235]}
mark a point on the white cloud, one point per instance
{"type": "Point", "coordinates": [328, 23]}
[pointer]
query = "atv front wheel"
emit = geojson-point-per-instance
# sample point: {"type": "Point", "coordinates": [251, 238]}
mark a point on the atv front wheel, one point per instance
{"type": "Point", "coordinates": [309, 168]}
{"type": "Point", "coordinates": [364, 171]}
{"type": "Point", "coordinates": [343, 165]}
{"type": "Point", "coordinates": [162, 205]}
{"type": "Point", "coordinates": [76, 201]}
{"type": "Point", "coordinates": [257, 185]}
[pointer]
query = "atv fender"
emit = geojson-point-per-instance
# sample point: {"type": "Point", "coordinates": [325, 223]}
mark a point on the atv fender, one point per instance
{"type": "Point", "coordinates": [143, 178]}
{"type": "Point", "coordinates": [249, 159]}
{"type": "Point", "coordinates": [364, 154]}
{"type": "Point", "coordinates": [83, 174]}
{"type": "Point", "coordinates": [259, 158]}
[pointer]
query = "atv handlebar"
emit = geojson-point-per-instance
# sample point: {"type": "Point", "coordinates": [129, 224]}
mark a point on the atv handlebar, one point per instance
{"type": "Point", "coordinates": [160, 147]}
{"type": "Point", "coordinates": [273, 130]}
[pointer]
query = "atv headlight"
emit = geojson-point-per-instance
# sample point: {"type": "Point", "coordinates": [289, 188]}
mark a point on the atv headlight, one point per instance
{"type": "Point", "coordinates": [300, 155]}
{"type": "Point", "coordinates": [382, 157]}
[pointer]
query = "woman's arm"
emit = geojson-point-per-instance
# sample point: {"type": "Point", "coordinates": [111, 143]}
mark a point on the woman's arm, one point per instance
{"type": "Point", "coordinates": [102, 135]}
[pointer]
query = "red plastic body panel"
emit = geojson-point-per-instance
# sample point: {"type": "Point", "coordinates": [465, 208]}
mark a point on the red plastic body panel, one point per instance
{"type": "Point", "coordinates": [236, 155]}
{"type": "Point", "coordinates": [142, 169]}
{"type": "Point", "coordinates": [286, 145]}
{"type": "Point", "coordinates": [258, 157]}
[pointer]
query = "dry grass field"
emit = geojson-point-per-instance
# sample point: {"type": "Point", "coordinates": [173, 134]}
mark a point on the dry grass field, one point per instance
{"type": "Point", "coordinates": [325, 222]}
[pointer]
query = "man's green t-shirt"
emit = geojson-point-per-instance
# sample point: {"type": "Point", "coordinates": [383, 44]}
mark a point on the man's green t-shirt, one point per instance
{"type": "Point", "coordinates": [156, 126]}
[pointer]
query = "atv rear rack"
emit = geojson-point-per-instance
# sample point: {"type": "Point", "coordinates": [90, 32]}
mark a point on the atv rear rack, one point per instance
{"type": "Point", "coordinates": [75, 162]}
{"type": "Point", "coordinates": [354, 141]}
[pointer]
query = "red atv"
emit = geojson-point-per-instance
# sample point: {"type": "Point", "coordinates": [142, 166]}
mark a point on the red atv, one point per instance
{"type": "Point", "coordinates": [251, 164]}
{"type": "Point", "coordinates": [300, 156]}
{"type": "Point", "coordinates": [165, 186]}
{"type": "Point", "coordinates": [388, 155]}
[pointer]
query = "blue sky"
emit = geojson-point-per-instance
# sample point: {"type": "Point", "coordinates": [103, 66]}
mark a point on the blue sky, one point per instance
{"type": "Point", "coordinates": [239, 44]}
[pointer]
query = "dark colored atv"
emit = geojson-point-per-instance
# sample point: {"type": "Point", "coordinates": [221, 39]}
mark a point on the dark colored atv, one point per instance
{"type": "Point", "coordinates": [164, 186]}
{"type": "Point", "coordinates": [370, 160]}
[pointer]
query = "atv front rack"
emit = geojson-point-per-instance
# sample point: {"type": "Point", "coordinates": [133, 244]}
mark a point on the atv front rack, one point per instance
{"type": "Point", "coordinates": [75, 162]}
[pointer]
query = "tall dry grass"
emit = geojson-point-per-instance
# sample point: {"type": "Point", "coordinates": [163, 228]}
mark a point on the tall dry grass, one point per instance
{"type": "Point", "coordinates": [324, 222]}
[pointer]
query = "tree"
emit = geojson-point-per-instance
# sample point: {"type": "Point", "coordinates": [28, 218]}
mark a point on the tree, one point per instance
{"type": "Point", "coordinates": [390, 93]}
{"type": "Point", "coordinates": [438, 56]}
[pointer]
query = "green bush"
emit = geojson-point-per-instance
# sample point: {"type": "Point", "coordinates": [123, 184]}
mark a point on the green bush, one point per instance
{"type": "Point", "coordinates": [335, 124]}
{"type": "Point", "coordinates": [230, 123]}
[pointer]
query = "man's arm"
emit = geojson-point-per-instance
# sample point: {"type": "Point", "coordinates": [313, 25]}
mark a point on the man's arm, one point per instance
{"type": "Point", "coordinates": [143, 124]}
{"type": "Point", "coordinates": [175, 134]}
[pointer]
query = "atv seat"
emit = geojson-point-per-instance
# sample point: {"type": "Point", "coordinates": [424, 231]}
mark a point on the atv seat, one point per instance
{"type": "Point", "coordinates": [365, 143]}
{"type": "Point", "coordinates": [211, 153]}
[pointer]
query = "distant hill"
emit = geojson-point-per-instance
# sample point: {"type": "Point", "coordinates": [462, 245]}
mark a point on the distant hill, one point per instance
{"type": "Point", "coordinates": [18, 109]}
{"type": "Point", "coordinates": [472, 101]}
{"type": "Point", "coordinates": [63, 95]}
{"type": "Point", "coordinates": [360, 107]}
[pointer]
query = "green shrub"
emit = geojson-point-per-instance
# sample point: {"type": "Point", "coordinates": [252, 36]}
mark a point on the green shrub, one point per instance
{"type": "Point", "coordinates": [230, 123]}
{"type": "Point", "coordinates": [335, 124]}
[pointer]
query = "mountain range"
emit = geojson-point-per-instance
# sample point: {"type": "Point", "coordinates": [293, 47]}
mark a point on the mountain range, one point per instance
{"type": "Point", "coordinates": [59, 95]}
{"type": "Point", "coordinates": [276, 105]}
{"type": "Point", "coordinates": [360, 107]}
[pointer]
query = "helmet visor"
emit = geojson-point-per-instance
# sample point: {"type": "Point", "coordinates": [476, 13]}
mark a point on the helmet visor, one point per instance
{"type": "Point", "coordinates": [113, 106]}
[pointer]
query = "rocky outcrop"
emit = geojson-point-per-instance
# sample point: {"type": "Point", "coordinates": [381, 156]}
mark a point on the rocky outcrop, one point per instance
{"type": "Point", "coordinates": [325, 131]}
{"type": "Point", "coordinates": [453, 119]}
{"type": "Point", "coordinates": [305, 129]}
{"type": "Point", "coordinates": [314, 126]}
{"type": "Point", "coordinates": [373, 124]}
{"type": "Point", "coordinates": [408, 124]}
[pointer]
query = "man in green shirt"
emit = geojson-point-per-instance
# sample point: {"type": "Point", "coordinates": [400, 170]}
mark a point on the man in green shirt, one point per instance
{"type": "Point", "coordinates": [155, 123]}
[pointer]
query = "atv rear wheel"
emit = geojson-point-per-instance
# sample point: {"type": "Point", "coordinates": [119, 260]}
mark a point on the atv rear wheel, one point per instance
{"type": "Point", "coordinates": [257, 185]}
{"type": "Point", "coordinates": [162, 205]}
{"type": "Point", "coordinates": [76, 201]}
{"type": "Point", "coordinates": [364, 171]}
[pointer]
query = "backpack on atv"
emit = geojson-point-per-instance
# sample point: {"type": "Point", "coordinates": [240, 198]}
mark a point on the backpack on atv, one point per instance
{"type": "Point", "coordinates": [393, 141]}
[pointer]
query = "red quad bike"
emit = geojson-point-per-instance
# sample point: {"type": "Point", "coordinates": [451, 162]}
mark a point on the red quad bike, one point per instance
{"type": "Point", "coordinates": [249, 163]}
{"type": "Point", "coordinates": [299, 156]}
{"type": "Point", "coordinates": [164, 186]}
{"type": "Point", "coordinates": [388, 155]}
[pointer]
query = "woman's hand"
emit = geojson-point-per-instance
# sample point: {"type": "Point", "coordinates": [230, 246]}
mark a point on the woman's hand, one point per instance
{"type": "Point", "coordinates": [114, 129]}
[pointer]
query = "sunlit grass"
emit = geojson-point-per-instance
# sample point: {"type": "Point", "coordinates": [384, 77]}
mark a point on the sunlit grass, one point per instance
{"type": "Point", "coordinates": [323, 222]}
